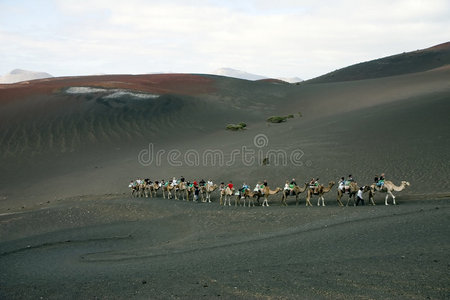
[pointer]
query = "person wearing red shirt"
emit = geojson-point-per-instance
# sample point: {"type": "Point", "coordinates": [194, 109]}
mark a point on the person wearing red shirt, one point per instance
{"type": "Point", "coordinates": [230, 185]}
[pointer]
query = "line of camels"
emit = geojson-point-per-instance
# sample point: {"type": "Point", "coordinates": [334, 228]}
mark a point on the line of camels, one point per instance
{"type": "Point", "coordinates": [182, 191]}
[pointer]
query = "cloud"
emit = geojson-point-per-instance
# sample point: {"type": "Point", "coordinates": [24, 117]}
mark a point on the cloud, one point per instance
{"type": "Point", "coordinates": [274, 38]}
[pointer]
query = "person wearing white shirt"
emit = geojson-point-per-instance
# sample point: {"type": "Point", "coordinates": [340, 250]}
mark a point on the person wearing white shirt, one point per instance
{"type": "Point", "coordinates": [359, 196]}
{"type": "Point", "coordinates": [342, 184]}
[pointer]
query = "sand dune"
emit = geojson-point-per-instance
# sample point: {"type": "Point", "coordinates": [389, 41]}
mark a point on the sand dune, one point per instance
{"type": "Point", "coordinates": [364, 127]}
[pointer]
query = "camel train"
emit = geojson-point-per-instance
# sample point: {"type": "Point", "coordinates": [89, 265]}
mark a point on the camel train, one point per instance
{"type": "Point", "coordinates": [245, 196]}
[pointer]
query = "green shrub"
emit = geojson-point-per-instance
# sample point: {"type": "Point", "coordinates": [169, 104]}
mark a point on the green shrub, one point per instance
{"type": "Point", "coordinates": [236, 127]}
{"type": "Point", "coordinates": [276, 119]}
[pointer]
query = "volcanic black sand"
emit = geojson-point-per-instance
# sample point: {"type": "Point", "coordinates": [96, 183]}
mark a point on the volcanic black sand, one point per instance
{"type": "Point", "coordinates": [69, 147]}
{"type": "Point", "coordinates": [120, 247]}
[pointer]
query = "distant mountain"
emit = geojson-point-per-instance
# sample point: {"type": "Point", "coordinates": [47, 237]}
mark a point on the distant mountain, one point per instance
{"type": "Point", "coordinates": [18, 75]}
{"type": "Point", "coordinates": [290, 79]}
{"type": "Point", "coordinates": [229, 72]}
{"type": "Point", "coordinates": [405, 63]}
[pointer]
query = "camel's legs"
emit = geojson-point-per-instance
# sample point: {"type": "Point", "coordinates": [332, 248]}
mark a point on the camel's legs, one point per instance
{"type": "Point", "coordinates": [393, 197]}
{"type": "Point", "coordinates": [321, 198]}
{"type": "Point", "coordinates": [250, 200]}
{"type": "Point", "coordinates": [308, 202]}
{"type": "Point", "coordinates": [351, 198]}
{"type": "Point", "coordinates": [203, 197]}
{"type": "Point", "coordinates": [386, 199]}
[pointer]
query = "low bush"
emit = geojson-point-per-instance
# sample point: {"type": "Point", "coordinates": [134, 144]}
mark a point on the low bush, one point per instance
{"type": "Point", "coordinates": [236, 127]}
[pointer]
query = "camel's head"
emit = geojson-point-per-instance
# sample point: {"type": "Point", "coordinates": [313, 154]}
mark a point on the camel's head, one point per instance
{"type": "Point", "coordinates": [406, 183]}
{"type": "Point", "coordinates": [331, 183]}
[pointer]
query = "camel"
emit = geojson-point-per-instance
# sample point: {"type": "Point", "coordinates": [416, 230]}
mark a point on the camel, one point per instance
{"type": "Point", "coordinates": [141, 189]}
{"type": "Point", "coordinates": [167, 188]}
{"type": "Point", "coordinates": [190, 190]}
{"type": "Point", "coordinates": [353, 189]}
{"type": "Point", "coordinates": [251, 195]}
{"type": "Point", "coordinates": [153, 189]}
{"type": "Point", "coordinates": [150, 189]}
{"type": "Point", "coordinates": [240, 195]}
{"type": "Point", "coordinates": [387, 188]}
{"type": "Point", "coordinates": [267, 192]}
{"type": "Point", "coordinates": [320, 191]}
{"type": "Point", "coordinates": [226, 195]}
{"type": "Point", "coordinates": [206, 191]}
{"type": "Point", "coordinates": [134, 189]}
{"type": "Point", "coordinates": [183, 190]}
{"type": "Point", "coordinates": [296, 190]}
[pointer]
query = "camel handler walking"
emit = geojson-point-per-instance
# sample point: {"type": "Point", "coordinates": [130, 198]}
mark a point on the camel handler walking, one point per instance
{"type": "Point", "coordinates": [359, 196]}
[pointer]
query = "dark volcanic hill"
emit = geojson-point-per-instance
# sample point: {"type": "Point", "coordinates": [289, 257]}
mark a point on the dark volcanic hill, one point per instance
{"type": "Point", "coordinates": [405, 63]}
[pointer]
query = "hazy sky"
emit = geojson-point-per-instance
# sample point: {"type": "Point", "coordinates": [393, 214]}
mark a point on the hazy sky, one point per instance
{"type": "Point", "coordinates": [277, 38]}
